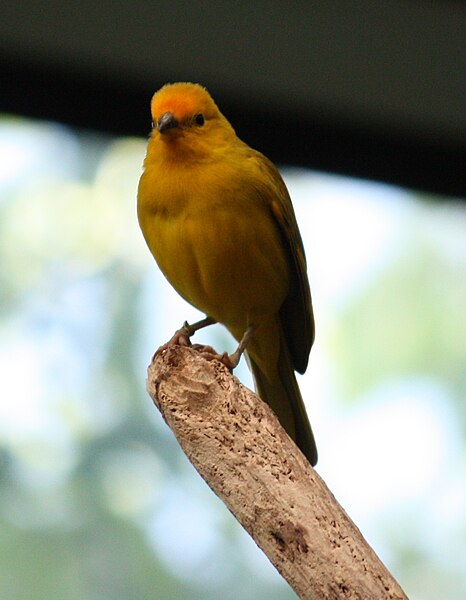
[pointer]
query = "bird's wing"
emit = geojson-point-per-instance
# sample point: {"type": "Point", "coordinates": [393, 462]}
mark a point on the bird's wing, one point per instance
{"type": "Point", "coordinates": [296, 312]}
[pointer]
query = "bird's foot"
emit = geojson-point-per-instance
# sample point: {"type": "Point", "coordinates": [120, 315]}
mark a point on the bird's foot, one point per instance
{"type": "Point", "coordinates": [182, 336]}
{"type": "Point", "coordinates": [209, 353]}
{"type": "Point", "coordinates": [231, 361]}
{"type": "Point", "coordinates": [179, 338]}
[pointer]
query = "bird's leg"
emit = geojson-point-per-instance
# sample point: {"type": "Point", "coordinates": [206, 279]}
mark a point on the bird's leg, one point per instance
{"type": "Point", "coordinates": [231, 360]}
{"type": "Point", "coordinates": [182, 336]}
{"type": "Point", "coordinates": [191, 329]}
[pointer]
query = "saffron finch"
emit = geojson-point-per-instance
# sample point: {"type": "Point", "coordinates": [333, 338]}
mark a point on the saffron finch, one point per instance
{"type": "Point", "coordinates": [218, 220]}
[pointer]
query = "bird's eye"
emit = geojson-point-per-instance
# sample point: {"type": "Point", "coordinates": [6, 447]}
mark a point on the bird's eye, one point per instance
{"type": "Point", "coordinates": [199, 120]}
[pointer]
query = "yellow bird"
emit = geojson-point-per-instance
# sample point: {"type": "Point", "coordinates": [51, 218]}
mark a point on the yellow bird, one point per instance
{"type": "Point", "coordinates": [218, 220]}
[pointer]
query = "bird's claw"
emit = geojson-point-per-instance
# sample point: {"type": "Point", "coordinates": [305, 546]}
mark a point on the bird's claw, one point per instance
{"type": "Point", "coordinates": [179, 338]}
{"type": "Point", "coordinates": [182, 336]}
{"type": "Point", "coordinates": [229, 360]}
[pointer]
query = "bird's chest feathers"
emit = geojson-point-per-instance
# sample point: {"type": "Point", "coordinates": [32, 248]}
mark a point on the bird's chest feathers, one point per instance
{"type": "Point", "coordinates": [215, 241]}
{"type": "Point", "coordinates": [196, 237]}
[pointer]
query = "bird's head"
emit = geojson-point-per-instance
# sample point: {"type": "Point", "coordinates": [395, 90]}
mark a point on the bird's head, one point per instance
{"type": "Point", "coordinates": [186, 111]}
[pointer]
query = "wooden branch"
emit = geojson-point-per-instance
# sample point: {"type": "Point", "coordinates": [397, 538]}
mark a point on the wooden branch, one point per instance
{"type": "Point", "coordinates": [240, 449]}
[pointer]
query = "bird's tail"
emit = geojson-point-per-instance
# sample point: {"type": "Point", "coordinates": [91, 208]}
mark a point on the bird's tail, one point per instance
{"type": "Point", "coordinates": [281, 392]}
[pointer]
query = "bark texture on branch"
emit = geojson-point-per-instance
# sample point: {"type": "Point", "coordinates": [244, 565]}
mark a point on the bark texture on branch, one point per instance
{"type": "Point", "coordinates": [240, 449]}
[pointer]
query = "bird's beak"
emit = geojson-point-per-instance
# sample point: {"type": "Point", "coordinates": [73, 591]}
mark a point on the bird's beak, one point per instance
{"type": "Point", "coordinates": [166, 121]}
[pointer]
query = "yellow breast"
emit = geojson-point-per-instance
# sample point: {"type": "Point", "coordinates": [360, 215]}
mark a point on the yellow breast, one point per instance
{"type": "Point", "coordinates": [216, 241]}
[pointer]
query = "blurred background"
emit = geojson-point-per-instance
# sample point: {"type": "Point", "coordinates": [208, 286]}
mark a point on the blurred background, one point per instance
{"type": "Point", "coordinates": [362, 106]}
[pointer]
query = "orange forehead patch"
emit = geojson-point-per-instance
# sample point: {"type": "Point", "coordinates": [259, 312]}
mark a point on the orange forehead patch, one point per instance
{"type": "Point", "coordinates": [183, 100]}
